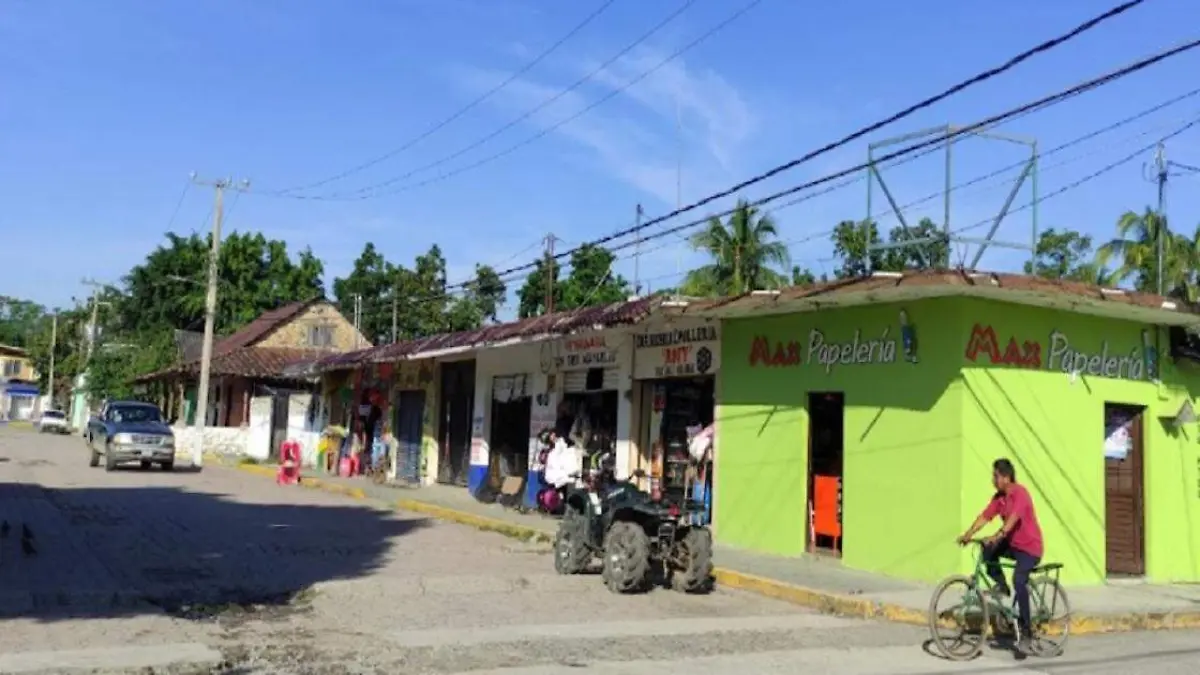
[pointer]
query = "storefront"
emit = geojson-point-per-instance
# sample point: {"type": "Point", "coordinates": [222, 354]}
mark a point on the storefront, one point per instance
{"type": "Point", "coordinates": [590, 372]}
{"type": "Point", "coordinates": [18, 400]}
{"type": "Point", "coordinates": [459, 428]}
{"type": "Point", "coordinates": [675, 365]}
{"type": "Point", "coordinates": [512, 403]}
{"type": "Point", "coordinates": [413, 424]}
{"type": "Point", "coordinates": [869, 431]}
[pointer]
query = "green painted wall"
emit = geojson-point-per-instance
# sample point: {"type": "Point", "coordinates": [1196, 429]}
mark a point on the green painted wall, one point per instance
{"type": "Point", "coordinates": [903, 434]}
{"type": "Point", "coordinates": [1054, 431]}
{"type": "Point", "coordinates": [920, 439]}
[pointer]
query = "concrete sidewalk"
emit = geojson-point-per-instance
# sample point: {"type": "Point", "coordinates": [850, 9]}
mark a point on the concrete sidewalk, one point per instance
{"type": "Point", "coordinates": [817, 583]}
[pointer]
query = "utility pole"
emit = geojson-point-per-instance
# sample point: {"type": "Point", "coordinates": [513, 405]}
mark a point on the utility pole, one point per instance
{"type": "Point", "coordinates": [1160, 166]}
{"type": "Point", "coordinates": [394, 315]}
{"type": "Point", "coordinates": [53, 345]}
{"type": "Point", "coordinates": [637, 252]}
{"type": "Point", "coordinates": [549, 269]}
{"type": "Point", "coordinates": [91, 326]}
{"type": "Point", "coordinates": [357, 319]}
{"type": "Point", "coordinates": [210, 310]}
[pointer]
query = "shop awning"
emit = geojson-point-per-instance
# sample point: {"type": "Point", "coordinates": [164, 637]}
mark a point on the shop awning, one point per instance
{"type": "Point", "coordinates": [1013, 288]}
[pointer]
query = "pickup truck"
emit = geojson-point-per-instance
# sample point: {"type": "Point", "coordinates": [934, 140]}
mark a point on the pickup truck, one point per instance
{"type": "Point", "coordinates": [130, 431]}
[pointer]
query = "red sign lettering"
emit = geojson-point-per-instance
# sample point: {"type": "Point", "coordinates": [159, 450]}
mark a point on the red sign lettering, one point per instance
{"type": "Point", "coordinates": [1027, 354]}
{"type": "Point", "coordinates": [784, 354]}
{"type": "Point", "coordinates": [677, 355]}
{"type": "Point", "coordinates": [585, 343]}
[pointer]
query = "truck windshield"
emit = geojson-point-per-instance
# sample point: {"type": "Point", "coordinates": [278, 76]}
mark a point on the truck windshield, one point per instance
{"type": "Point", "coordinates": [134, 413]}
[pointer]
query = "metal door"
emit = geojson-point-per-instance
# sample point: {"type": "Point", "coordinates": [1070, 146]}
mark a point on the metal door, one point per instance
{"type": "Point", "coordinates": [259, 442]}
{"type": "Point", "coordinates": [409, 433]}
{"type": "Point", "coordinates": [1124, 517]}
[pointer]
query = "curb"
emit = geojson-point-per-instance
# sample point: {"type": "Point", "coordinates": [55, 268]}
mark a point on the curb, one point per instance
{"type": "Point", "coordinates": [824, 602]}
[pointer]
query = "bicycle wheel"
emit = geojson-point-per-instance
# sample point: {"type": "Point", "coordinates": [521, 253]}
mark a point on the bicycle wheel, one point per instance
{"type": "Point", "coordinates": [1051, 617]}
{"type": "Point", "coordinates": [966, 619]}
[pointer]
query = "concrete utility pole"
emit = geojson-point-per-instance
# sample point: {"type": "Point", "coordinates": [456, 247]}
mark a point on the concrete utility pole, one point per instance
{"type": "Point", "coordinates": [210, 311]}
{"type": "Point", "coordinates": [637, 251]}
{"type": "Point", "coordinates": [53, 345]}
{"type": "Point", "coordinates": [91, 327]}
{"type": "Point", "coordinates": [1160, 166]}
{"type": "Point", "coordinates": [394, 315]}
{"type": "Point", "coordinates": [357, 319]}
{"type": "Point", "coordinates": [549, 269]}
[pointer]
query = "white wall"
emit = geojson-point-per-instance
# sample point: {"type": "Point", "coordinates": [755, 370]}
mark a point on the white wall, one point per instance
{"type": "Point", "coordinates": [519, 359]}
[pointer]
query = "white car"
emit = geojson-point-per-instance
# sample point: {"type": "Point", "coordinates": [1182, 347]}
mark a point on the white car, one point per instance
{"type": "Point", "coordinates": [54, 421]}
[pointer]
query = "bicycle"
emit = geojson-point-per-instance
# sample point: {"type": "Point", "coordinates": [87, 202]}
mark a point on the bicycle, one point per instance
{"type": "Point", "coordinates": [979, 601]}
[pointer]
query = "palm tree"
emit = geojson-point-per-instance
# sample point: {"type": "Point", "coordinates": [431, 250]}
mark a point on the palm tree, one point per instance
{"type": "Point", "coordinates": [1135, 250]}
{"type": "Point", "coordinates": [745, 251]}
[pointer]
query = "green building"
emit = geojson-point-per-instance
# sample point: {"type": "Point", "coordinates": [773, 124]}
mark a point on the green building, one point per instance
{"type": "Point", "coordinates": [861, 419]}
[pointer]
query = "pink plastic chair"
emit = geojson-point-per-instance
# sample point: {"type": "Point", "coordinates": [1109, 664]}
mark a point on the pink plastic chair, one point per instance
{"type": "Point", "coordinates": [289, 463]}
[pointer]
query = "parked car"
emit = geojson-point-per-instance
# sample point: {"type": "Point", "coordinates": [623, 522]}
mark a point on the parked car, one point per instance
{"type": "Point", "coordinates": [130, 431]}
{"type": "Point", "coordinates": [53, 421]}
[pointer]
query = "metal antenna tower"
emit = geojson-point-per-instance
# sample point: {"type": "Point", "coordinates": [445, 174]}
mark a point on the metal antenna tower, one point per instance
{"type": "Point", "coordinates": [952, 135]}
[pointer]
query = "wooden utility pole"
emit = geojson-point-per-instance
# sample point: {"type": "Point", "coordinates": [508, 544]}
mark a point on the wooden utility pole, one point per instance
{"type": "Point", "coordinates": [210, 311]}
{"type": "Point", "coordinates": [549, 270]}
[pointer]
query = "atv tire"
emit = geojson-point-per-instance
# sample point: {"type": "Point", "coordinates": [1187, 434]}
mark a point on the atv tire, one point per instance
{"type": "Point", "coordinates": [626, 558]}
{"type": "Point", "coordinates": [571, 552]}
{"type": "Point", "coordinates": [694, 556]}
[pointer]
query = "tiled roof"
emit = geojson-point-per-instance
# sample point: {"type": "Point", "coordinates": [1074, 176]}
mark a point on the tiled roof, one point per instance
{"type": "Point", "coordinates": [1000, 284]}
{"type": "Point", "coordinates": [257, 329]}
{"type": "Point", "coordinates": [614, 314]}
{"type": "Point", "coordinates": [256, 362]}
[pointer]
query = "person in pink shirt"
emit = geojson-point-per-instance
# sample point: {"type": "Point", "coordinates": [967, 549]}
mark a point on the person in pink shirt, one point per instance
{"type": "Point", "coordinates": [1019, 539]}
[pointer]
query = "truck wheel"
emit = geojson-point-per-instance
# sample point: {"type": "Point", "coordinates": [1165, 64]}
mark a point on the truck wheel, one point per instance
{"type": "Point", "coordinates": [626, 558]}
{"type": "Point", "coordinates": [110, 460]}
{"type": "Point", "coordinates": [146, 465]}
{"type": "Point", "coordinates": [693, 555]}
{"type": "Point", "coordinates": [94, 459]}
{"type": "Point", "coordinates": [571, 553]}
{"type": "Point", "coordinates": [169, 465]}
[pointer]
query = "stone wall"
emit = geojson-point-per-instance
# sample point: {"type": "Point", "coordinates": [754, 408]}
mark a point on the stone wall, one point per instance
{"type": "Point", "coordinates": [295, 333]}
{"type": "Point", "coordinates": [230, 441]}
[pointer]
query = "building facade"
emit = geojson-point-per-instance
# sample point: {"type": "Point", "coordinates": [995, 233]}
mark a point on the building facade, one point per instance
{"type": "Point", "coordinates": [19, 390]}
{"type": "Point", "coordinates": [868, 430]}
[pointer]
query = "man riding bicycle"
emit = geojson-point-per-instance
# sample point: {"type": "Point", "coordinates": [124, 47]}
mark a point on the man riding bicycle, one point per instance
{"type": "Point", "coordinates": [1020, 539]}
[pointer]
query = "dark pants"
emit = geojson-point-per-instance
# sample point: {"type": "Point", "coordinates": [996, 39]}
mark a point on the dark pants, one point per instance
{"type": "Point", "coordinates": [1024, 565]}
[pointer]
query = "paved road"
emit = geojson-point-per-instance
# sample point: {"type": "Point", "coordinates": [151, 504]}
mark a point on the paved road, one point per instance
{"type": "Point", "coordinates": [221, 571]}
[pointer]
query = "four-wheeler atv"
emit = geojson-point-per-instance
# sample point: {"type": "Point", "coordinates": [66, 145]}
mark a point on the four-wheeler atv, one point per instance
{"type": "Point", "coordinates": [636, 537]}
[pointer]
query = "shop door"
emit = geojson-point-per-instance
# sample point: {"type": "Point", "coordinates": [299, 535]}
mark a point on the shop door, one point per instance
{"type": "Point", "coordinates": [1124, 515]}
{"type": "Point", "coordinates": [826, 421]}
{"type": "Point", "coordinates": [408, 435]}
{"type": "Point", "coordinates": [454, 433]}
{"type": "Point", "coordinates": [279, 424]}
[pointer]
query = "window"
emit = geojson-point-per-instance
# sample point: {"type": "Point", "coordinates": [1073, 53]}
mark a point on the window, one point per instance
{"type": "Point", "coordinates": [12, 368]}
{"type": "Point", "coordinates": [134, 413]}
{"type": "Point", "coordinates": [320, 336]}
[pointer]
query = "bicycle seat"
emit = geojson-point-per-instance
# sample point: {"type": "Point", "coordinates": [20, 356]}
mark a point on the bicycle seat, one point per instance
{"type": "Point", "coordinates": [1048, 567]}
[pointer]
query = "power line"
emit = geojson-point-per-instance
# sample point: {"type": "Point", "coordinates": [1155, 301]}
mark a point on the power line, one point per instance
{"type": "Point", "coordinates": [1045, 101]}
{"type": "Point", "coordinates": [360, 193]}
{"type": "Point", "coordinates": [476, 102]}
{"type": "Point", "coordinates": [1041, 103]}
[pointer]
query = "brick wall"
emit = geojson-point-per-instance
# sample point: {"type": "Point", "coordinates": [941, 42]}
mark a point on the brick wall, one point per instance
{"type": "Point", "coordinates": [295, 333]}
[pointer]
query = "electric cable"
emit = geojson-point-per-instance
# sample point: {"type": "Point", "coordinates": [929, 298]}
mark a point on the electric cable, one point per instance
{"type": "Point", "coordinates": [476, 102]}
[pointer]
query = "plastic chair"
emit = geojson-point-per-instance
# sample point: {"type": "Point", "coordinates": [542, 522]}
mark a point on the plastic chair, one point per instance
{"type": "Point", "coordinates": [289, 463]}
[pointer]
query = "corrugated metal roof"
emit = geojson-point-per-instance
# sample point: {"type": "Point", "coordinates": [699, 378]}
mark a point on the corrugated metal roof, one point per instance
{"type": "Point", "coordinates": [558, 323]}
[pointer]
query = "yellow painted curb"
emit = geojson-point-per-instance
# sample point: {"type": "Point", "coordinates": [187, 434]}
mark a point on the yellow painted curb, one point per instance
{"type": "Point", "coordinates": [822, 601]}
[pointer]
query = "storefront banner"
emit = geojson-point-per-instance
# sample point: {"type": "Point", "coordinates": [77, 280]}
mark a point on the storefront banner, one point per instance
{"type": "Point", "coordinates": [888, 344]}
{"type": "Point", "coordinates": [584, 352]}
{"type": "Point", "coordinates": [682, 352]}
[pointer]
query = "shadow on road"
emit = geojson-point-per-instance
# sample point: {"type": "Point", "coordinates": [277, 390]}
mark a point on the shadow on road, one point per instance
{"type": "Point", "coordinates": [111, 552]}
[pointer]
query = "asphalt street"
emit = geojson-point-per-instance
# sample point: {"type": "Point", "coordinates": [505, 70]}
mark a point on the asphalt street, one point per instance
{"type": "Point", "coordinates": [224, 572]}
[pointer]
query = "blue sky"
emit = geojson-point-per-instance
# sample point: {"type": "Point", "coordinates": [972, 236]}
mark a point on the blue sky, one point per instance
{"type": "Point", "coordinates": [108, 106]}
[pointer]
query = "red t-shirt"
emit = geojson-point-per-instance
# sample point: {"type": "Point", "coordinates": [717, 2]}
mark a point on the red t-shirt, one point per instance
{"type": "Point", "coordinates": [1027, 535]}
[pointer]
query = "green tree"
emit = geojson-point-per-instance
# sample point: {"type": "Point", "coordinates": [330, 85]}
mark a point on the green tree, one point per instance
{"type": "Point", "coordinates": [1065, 254]}
{"type": "Point", "coordinates": [745, 253]}
{"type": "Point", "coordinates": [481, 300]}
{"type": "Point", "coordinates": [531, 296]}
{"type": "Point", "coordinates": [378, 282]}
{"type": "Point", "coordinates": [854, 244]}
{"type": "Point", "coordinates": [802, 276]}
{"type": "Point", "coordinates": [590, 283]}
{"type": "Point", "coordinates": [1135, 253]}
{"type": "Point", "coordinates": [19, 320]}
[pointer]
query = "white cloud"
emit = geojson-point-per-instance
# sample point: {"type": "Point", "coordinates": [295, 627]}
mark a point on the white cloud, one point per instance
{"type": "Point", "coordinates": [639, 143]}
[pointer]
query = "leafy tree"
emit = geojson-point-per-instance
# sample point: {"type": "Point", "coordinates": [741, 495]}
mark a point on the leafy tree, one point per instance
{"type": "Point", "coordinates": [1065, 254]}
{"type": "Point", "coordinates": [377, 281]}
{"type": "Point", "coordinates": [591, 282]}
{"type": "Point", "coordinates": [19, 319]}
{"type": "Point", "coordinates": [1135, 252]}
{"type": "Point", "coordinates": [802, 276]}
{"type": "Point", "coordinates": [745, 254]}
{"type": "Point", "coordinates": [481, 300]}
{"type": "Point", "coordinates": [853, 242]}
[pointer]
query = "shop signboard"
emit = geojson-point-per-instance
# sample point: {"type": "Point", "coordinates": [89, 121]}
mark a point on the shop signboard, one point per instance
{"type": "Point", "coordinates": [888, 345]}
{"type": "Point", "coordinates": [1139, 362]}
{"type": "Point", "coordinates": [582, 352]}
{"type": "Point", "coordinates": [677, 352]}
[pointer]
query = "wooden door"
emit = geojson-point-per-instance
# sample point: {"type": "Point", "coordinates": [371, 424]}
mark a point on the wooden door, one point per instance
{"type": "Point", "coordinates": [1123, 487]}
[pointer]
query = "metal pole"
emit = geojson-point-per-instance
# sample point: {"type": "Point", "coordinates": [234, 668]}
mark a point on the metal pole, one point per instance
{"type": "Point", "coordinates": [949, 190]}
{"type": "Point", "coordinates": [549, 269]}
{"type": "Point", "coordinates": [394, 291]}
